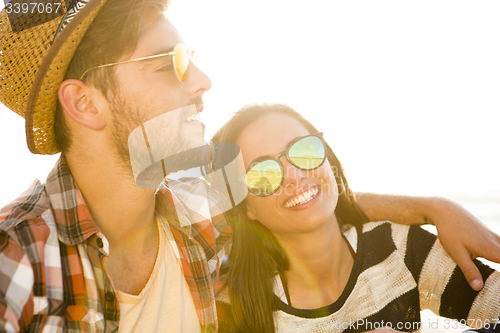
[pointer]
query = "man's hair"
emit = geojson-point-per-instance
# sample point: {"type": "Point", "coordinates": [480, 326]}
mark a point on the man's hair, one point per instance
{"type": "Point", "coordinates": [113, 35]}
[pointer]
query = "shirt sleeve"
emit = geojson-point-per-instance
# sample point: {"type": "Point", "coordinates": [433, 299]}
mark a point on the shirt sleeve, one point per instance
{"type": "Point", "coordinates": [16, 286]}
{"type": "Point", "coordinates": [442, 286]}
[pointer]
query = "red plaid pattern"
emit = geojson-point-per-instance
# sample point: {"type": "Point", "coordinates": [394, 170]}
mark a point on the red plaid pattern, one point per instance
{"type": "Point", "coordinates": [52, 276]}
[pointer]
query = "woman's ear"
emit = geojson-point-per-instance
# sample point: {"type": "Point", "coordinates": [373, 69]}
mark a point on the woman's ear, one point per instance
{"type": "Point", "coordinates": [77, 100]}
{"type": "Point", "coordinates": [251, 214]}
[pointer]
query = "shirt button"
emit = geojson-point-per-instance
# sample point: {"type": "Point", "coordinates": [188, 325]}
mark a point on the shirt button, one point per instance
{"type": "Point", "coordinates": [110, 297]}
{"type": "Point", "coordinates": [100, 243]}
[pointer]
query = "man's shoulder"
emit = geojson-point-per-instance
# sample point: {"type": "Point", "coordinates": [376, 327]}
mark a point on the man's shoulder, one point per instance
{"type": "Point", "coordinates": [28, 245]}
{"type": "Point", "coordinates": [27, 209]}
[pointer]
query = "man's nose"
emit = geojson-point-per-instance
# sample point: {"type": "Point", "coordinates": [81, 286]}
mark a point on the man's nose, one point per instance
{"type": "Point", "coordinates": [198, 82]}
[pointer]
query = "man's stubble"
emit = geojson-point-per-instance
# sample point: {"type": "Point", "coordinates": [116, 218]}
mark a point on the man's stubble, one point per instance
{"type": "Point", "coordinates": [127, 116]}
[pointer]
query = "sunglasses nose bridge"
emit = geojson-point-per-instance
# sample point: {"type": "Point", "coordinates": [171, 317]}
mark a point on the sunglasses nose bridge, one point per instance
{"type": "Point", "coordinates": [292, 174]}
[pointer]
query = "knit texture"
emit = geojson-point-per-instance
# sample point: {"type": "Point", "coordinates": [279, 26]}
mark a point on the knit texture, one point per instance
{"type": "Point", "coordinates": [398, 271]}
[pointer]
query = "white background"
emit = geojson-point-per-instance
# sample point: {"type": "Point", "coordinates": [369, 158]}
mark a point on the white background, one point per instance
{"type": "Point", "coordinates": [406, 92]}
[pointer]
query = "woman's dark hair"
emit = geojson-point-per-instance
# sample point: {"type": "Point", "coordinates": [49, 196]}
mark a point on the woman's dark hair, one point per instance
{"type": "Point", "coordinates": [256, 256]}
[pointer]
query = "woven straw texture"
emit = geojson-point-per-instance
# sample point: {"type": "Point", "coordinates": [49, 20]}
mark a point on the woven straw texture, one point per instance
{"type": "Point", "coordinates": [33, 65]}
{"type": "Point", "coordinates": [20, 58]}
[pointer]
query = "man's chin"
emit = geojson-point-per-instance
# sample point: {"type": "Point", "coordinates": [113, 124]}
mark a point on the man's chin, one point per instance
{"type": "Point", "coordinates": [197, 142]}
{"type": "Point", "coordinates": [195, 132]}
{"type": "Point", "coordinates": [152, 175]}
{"type": "Point", "coordinates": [193, 139]}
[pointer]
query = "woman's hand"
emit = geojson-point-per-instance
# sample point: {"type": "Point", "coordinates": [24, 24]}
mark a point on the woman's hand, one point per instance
{"type": "Point", "coordinates": [464, 237]}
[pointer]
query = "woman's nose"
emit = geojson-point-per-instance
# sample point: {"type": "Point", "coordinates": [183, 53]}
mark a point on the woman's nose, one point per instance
{"type": "Point", "coordinates": [291, 174]}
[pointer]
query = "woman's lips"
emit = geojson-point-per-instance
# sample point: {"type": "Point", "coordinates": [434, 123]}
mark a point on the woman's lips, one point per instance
{"type": "Point", "coordinates": [302, 196]}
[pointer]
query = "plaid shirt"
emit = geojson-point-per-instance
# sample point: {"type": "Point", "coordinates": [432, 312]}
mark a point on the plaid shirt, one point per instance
{"type": "Point", "coordinates": [52, 275]}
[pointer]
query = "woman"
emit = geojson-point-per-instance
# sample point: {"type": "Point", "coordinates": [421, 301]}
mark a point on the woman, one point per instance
{"type": "Point", "coordinates": [304, 256]}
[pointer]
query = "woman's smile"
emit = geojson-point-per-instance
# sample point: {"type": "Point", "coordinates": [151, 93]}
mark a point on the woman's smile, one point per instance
{"type": "Point", "coordinates": [304, 195]}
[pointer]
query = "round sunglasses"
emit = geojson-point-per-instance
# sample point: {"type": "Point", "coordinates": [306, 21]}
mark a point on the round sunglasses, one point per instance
{"type": "Point", "coordinates": [265, 175]}
{"type": "Point", "coordinates": [180, 59]}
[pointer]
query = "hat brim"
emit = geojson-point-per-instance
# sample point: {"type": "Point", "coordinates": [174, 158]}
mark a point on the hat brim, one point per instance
{"type": "Point", "coordinates": [42, 100]}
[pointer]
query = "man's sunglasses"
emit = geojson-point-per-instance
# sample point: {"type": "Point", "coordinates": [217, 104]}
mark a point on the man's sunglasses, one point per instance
{"type": "Point", "coordinates": [180, 59]}
{"type": "Point", "coordinates": [265, 176]}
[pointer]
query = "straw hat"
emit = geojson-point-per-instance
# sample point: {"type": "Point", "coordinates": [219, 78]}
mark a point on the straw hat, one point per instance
{"type": "Point", "coordinates": [37, 48]}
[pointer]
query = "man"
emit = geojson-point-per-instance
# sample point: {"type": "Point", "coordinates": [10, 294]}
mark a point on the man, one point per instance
{"type": "Point", "coordinates": [94, 131]}
{"type": "Point", "coordinates": [90, 250]}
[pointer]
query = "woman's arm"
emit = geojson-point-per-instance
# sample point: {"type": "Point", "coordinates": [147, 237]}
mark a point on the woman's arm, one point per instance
{"type": "Point", "coordinates": [462, 235]}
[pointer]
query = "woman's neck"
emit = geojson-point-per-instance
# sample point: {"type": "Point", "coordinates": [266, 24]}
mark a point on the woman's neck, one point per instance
{"type": "Point", "coordinates": [320, 266]}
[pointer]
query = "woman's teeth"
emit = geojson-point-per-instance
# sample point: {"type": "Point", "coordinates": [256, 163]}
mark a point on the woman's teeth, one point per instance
{"type": "Point", "coordinates": [302, 198]}
{"type": "Point", "coordinates": [192, 117]}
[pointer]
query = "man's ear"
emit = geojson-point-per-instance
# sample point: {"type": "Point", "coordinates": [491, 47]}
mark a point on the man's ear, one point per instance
{"type": "Point", "coordinates": [77, 100]}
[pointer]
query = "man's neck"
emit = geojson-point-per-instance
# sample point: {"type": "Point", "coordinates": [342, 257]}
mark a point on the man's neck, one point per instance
{"type": "Point", "coordinates": [119, 207]}
{"type": "Point", "coordinates": [124, 212]}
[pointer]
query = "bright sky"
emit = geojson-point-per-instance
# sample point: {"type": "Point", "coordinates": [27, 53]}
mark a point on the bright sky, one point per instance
{"type": "Point", "coordinates": [406, 92]}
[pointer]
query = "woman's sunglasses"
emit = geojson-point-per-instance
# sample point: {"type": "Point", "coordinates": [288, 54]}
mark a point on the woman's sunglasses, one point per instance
{"type": "Point", "coordinates": [265, 176]}
{"type": "Point", "coordinates": [180, 59]}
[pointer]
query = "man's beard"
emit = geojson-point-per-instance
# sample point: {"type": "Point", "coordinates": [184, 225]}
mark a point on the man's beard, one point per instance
{"type": "Point", "coordinates": [125, 118]}
{"type": "Point", "coordinates": [181, 155]}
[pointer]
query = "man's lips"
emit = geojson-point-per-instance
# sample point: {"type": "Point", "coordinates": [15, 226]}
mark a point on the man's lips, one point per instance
{"type": "Point", "coordinates": [195, 120]}
{"type": "Point", "coordinates": [193, 117]}
{"type": "Point", "coordinates": [194, 114]}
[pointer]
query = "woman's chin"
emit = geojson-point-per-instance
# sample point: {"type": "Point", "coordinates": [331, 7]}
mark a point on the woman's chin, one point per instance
{"type": "Point", "coordinates": [321, 215]}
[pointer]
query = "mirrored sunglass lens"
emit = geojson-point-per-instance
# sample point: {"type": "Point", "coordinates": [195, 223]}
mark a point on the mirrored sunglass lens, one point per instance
{"type": "Point", "coordinates": [181, 62]}
{"type": "Point", "coordinates": [264, 178]}
{"type": "Point", "coordinates": [307, 153]}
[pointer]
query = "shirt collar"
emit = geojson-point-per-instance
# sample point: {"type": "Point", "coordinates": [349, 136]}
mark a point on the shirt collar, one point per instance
{"type": "Point", "coordinates": [73, 220]}
{"type": "Point", "coordinates": [170, 208]}
{"type": "Point", "coordinates": [178, 214]}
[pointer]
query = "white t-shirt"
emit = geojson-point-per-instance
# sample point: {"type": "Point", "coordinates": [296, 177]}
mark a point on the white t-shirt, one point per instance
{"type": "Point", "coordinates": [165, 304]}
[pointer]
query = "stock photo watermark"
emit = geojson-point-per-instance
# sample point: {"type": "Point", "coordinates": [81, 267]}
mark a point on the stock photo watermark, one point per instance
{"type": "Point", "coordinates": [365, 324]}
{"type": "Point", "coordinates": [27, 14]}
{"type": "Point", "coordinates": [359, 324]}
